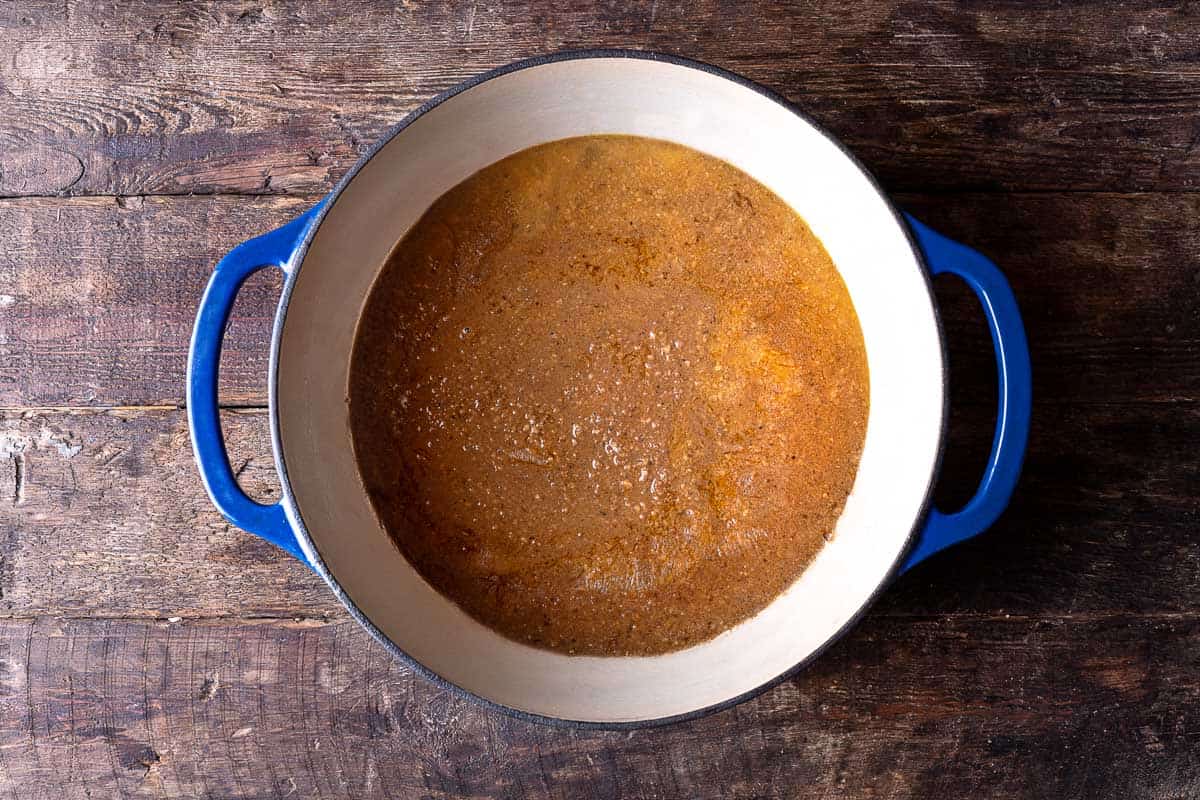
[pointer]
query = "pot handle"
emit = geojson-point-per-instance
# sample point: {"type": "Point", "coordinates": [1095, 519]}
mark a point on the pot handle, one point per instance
{"type": "Point", "coordinates": [274, 249]}
{"type": "Point", "coordinates": [1015, 383]}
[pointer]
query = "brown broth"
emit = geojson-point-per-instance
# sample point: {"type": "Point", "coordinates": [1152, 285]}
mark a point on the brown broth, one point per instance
{"type": "Point", "coordinates": [609, 396]}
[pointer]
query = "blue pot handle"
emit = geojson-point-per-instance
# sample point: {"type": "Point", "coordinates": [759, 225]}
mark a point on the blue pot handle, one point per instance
{"type": "Point", "coordinates": [274, 249]}
{"type": "Point", "coordinates": [1015, 382]}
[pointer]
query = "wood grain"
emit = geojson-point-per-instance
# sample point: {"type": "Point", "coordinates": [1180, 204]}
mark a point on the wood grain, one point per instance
{"type": "Point", "coordinates": [101, 294]}
{"type": "Point", "coordinates": [156, 97]}
{"type": "Point", "coordinates": [149, 649]}
{"type": "Point", "coordinates": [924, 707]}
{"type": "Point", "coordinates": [103, 514]}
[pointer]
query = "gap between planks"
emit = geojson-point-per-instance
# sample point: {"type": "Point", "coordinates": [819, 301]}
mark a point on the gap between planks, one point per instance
{"type": "Point", "coordinates": [313, 197]}
{"type": "Point", "coordinates": [302, 621]}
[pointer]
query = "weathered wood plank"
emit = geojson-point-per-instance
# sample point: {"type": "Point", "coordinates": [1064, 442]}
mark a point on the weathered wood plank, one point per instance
{"type": "Point", "coordinates": [103, 514]}
{"type": "Point", "coordinates": [109, 519]}
{"type": "Point", "coordinates": [989, 708]}
{"type": "Point", "coordinates": [270, 97]}
{"type": "Point", "coordinates": [1109, 288]}
{"type": "Point", "coordinates": [99, 295]}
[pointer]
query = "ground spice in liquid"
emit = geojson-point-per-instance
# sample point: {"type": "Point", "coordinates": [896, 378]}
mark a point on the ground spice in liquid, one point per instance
{"type": "Point", "coordinates": [609, 395]}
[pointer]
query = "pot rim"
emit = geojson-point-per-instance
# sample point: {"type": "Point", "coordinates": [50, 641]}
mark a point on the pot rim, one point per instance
{"type": "Point", "coordinates": [288, 498]}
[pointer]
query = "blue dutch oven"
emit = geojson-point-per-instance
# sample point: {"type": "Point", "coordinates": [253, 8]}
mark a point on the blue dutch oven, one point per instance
{"type": "Point", "coordinates": [331, 254]}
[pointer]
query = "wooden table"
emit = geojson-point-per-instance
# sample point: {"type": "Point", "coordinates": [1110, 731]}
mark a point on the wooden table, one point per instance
{"type": "Point", "coordinates": [148, 649]}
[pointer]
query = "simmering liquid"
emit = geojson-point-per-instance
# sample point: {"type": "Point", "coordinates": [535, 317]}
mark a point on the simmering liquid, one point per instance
{"type": "Point", "coordinates": [609, 396]}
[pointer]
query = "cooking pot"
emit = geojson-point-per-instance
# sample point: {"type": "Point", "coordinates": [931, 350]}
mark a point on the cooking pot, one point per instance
{"type": "Point", "coordinates": [331, 254]}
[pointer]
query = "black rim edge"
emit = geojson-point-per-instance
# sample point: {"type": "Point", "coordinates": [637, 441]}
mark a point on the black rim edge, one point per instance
{"type": "Point", "coordinates": [289, 500]}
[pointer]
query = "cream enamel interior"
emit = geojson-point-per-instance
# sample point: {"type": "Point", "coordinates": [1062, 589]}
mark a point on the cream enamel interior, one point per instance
{"type": "Point", "coordinates": [572, 98]}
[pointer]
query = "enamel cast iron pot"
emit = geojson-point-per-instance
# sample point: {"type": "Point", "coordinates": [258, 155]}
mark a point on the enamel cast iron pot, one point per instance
{"type": "Point", "coordinates": [331, 254]}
